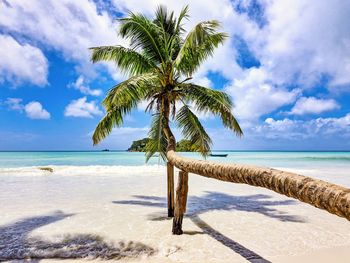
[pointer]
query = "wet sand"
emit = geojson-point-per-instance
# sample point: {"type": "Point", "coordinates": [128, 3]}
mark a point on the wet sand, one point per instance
{"type": "Point", "coordinates": [120, 213]}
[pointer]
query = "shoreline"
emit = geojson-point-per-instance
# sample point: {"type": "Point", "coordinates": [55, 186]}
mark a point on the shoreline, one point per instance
{"type": "Point", "coordinates": [335, 174]}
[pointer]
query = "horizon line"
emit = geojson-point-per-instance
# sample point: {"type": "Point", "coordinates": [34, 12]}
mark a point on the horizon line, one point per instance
{"type": "Point", "coordinates": [115, 150]}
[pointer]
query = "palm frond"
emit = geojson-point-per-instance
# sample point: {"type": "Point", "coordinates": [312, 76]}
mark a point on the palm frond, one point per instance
{"type": "Point", "coordinates": [128, 60]}
{"type": "Point", "coordinates": [144, 35]}
{"type": "Point", "coordinates": [165, 20]}
{"type": "Point", "coordinates": [213, 101]}
{"type": "Point", "coordinates": [113, 118]}
{"type": "Point", "coordinates": [193, 130]}
{"type": "Point", "coordinates": [120, 100]}
{"type": "Point", "coordinates": [130, 92]}
{"type": "Point", "coordinates": [157, 140]}
{"type": "Point", "coordinates": [199, 44]}
{"type": "Point", "coordinates": [183, 14]}
{"type": "Point", "coordinates": [169, 37]}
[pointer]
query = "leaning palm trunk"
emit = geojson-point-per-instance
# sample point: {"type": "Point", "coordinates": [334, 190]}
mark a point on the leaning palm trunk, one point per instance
{"type": "Point", "coordinates": [333, 198]}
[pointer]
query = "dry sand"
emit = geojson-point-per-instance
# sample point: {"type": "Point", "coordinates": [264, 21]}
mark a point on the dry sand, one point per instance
{"type": "Point", "coordinates": [97, 211]}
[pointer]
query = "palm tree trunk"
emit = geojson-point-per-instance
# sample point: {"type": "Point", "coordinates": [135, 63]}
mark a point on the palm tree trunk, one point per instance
{"type": "Point", "coordinates": [181, 200]}
{"type": "Point", "coordinates": [170, 167]}
{"type": "Point", "coordinates": [170, 184]}
{"type": "Point", "coordinates": [333, 198]}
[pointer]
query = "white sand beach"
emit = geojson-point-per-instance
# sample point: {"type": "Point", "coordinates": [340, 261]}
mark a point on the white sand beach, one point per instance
{"type": "Point", "coordinates": [97, 211]}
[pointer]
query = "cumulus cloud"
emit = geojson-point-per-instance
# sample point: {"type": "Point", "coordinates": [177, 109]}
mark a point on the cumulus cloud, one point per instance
{"type": "Point", "coordinates": [222, 10]}
{"type": "Point", "coordinates": [312, 105]}
{"type": "Point", "coordinates": [142, 105]}
{"type": "Point", "coordinates": [309, 41]}
{"type": "Point", "coordinates": [300, 48]}
{"type": "Point", "coordinates": [69, 27]}
{"type": "Point", "coordinates": [33, 109]}
{"type": "Point", "coordinates": [21, 62]}
{"type": "Point", "coordinates": [295, 49]}
{"type": "Point", "coordinates": [255, 96]}
{"type": "Point", "coordinates": [298, 129]}
{"type": "Point", "coordinates": [82, 108]}
{"type": "Point", "coordinates": [81, 85]}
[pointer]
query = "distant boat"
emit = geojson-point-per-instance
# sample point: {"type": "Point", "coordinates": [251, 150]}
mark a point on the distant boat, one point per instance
{"type": "Point", "coordinates": [105, 150]}
{"type": "Point", "coordinates": [218, 155]}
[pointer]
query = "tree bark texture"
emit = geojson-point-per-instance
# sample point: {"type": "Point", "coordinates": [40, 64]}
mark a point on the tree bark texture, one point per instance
{"type": "Point", "coordinates": [331, 197]}
{"type": "Point", "coordinates": [181, 201]}
{"type": "Point", "coordinates": [170, 184]}
{"type": "Point", "coordinates": [170, 167]}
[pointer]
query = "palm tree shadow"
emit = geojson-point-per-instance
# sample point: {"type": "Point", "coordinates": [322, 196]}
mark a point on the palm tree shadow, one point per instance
{"type": "Point", "coordinates": [245, 252]}
{"type": "Point", "coordinates": [216, 201]}
{"type": "Point", "coordinates": [17, 244]}
{"type": "Point", "coordinates": [211, 201]}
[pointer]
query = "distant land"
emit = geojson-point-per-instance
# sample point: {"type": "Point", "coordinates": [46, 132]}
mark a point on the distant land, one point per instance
{"type": "Point", "coordinates": [181, 146]}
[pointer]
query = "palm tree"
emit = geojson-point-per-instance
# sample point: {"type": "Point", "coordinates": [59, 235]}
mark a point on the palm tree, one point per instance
{"type": "Point", "coordinates": [160, 63]}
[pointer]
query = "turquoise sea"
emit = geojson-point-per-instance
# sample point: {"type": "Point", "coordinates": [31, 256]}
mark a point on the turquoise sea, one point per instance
{"type": "Point", "coordinates": [294, 160]}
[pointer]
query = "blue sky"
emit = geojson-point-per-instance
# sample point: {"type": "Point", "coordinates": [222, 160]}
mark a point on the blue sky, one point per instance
{"type": "Point", "coordinates": [286, 67]}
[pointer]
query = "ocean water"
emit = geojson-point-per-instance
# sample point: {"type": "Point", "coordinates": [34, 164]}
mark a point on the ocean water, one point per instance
{"type": "Point", "coordinates": [294, 160]}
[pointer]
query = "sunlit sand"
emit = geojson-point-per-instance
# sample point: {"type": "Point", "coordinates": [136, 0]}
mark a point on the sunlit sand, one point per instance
{"type": "Point", "coordinates": [120, 213]}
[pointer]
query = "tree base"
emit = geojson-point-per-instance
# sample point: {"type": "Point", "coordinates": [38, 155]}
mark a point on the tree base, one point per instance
{"type": "Point", "coordinates": [177, 225]}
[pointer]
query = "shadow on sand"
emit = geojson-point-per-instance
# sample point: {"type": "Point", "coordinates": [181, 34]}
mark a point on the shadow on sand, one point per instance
{"type": "Point", "coordinates": [211, 201]}
{"type": "Point", "coordinates": [17, 244]}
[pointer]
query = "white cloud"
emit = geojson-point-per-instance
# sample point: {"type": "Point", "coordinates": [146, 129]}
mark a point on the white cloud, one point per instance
{"type": "Point", "coordinates": [14, 104]}
{"type": "Point", "coordinates": [34, 110]}
{"type": "Point", "coordinates": [254, 95]}
{"type": "Point", "coordinates": [21, 62]}
{"type": "Point", "coordinates": [301, 46]}
{"type": "Point", "coordinates": [312, 105]}
{"type": "Point", "coordinates": [277, 129]}
{"type": "Point", "coordinates": [310, 40]}
{"type": "Point", "coordinates": [82, 108]}
{"type": "Point", "coordinates": [142, 106]}
{"type": "Point", "coordinates": [232, 22]}
{"type": "Point", "coordinates": [299, 129]}
{"type": "Point", "coordinates": [81, 85]}
{"type": "Point", "coordinates": [69, 27]}
{"type": "Point", "coordinates": [295, 48]}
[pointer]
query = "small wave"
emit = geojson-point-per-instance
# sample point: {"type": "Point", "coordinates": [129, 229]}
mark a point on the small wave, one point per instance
{"type": "Point", "coordinates": [327, 158]}
{"type": "Point", "coordinates": [93, 170]}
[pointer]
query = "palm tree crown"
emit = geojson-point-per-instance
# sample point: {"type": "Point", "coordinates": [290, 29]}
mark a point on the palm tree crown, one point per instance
{"type": "Point", "coordinates": [160, 62]}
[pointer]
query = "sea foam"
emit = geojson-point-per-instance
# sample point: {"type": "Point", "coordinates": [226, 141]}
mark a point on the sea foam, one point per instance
{"type": "Point", "coordinates": [93, 170]}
